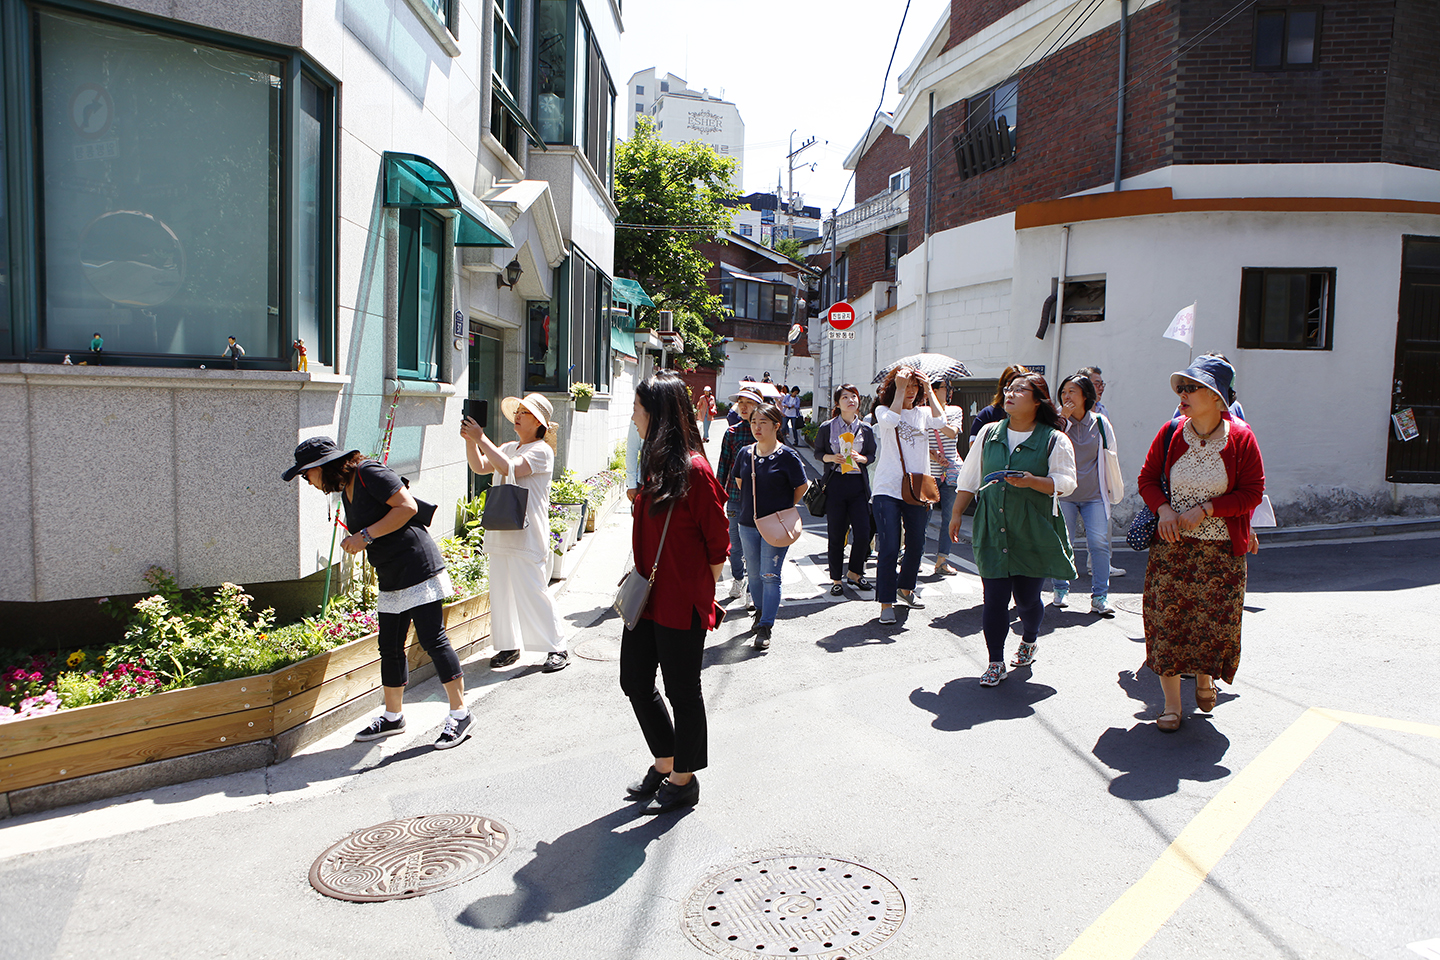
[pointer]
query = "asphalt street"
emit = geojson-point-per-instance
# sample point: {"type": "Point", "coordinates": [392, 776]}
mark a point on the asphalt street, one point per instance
{"type": "Point", "coordinates": [1046, 817]}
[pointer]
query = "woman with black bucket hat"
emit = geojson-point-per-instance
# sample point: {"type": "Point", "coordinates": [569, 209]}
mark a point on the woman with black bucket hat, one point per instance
{"type": "Point", "coordinates": [381, 517]}
{"type": "Point", "coordinates": [1202, 477]}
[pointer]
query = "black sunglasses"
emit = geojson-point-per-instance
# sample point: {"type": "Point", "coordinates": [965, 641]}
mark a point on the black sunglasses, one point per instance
{"type": "Point", "coordinates": [1190, 387]}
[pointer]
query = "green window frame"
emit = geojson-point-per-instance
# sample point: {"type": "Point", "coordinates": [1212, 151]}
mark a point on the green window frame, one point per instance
{"type": "Point", "coordinates": [589, 319]}
{"type": "Point", "coordinates": [421, 290]}
{"type": "Point", "coordinates": [573, 97]}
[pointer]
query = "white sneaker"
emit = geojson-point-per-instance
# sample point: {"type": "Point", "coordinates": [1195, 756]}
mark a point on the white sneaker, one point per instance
{"type": "Point", "coordinates": [737, 587]}
{"type": "Point", "coordinates": [1059, 599]}
{"type": "Point", "coordinates": [1117, 571]}
{"type": "Point", "coordinates": [1101, 606]}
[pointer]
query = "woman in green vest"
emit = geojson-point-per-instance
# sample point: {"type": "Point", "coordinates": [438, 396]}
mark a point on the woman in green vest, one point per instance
{"type": "Point", "coordinates": [1025, 464]}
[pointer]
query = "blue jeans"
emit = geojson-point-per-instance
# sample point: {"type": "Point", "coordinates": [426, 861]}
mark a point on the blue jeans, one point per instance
{"type": "Point", "coordinates": [947, 503]}
{"type": "Point", "coordinates": [705, 429]}
{"type": "Point", "coordinates": [737, 546]}
{"type": "Point", "coordinates": [890, 513]}
{"type": "Point", "coordinates": [763, 559]}
{"type": "Point", "coordinates": [1097, 541]}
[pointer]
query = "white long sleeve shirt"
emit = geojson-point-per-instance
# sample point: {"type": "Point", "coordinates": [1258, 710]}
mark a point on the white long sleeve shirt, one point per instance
{"type": "Point", "coordinates": [894, 427]}
{"type": "Point", "coordinates": [1062, 461]}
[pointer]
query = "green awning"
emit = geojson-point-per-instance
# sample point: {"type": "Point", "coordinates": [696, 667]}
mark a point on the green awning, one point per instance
{"type": "Point", "coordinates": [413, 182]}
{"type": "Point", "coordinates": [623, 342]}
{"type": "Point", "coordinates": [629, 291]}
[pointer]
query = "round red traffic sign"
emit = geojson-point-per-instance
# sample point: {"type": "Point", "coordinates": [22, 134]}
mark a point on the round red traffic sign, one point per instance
{"type": "Point", "coordinates": [841, 315]}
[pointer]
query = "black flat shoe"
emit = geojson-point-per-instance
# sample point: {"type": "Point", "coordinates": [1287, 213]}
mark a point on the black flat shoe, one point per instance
{"type": "Point", "coordinates": [504, 658]}
{"type": "Point", "coordinates": [862, 584]}
{"type": "Point", "coordinates": [645, 787]}
{"type": "Point", "coordinates": [670, 797]}
{"type": "Point", "coordinates": [836, 590]}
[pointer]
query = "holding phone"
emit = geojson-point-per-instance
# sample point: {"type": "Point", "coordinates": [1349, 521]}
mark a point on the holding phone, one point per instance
{"type": "Point", "coordinates": [1002, 474]}
{"type": "Point", "coordinates": [479, 411]}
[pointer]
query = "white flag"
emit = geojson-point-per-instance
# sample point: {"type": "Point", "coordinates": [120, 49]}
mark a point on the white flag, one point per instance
{"type": "Point", "coordinates": [1182, 328]}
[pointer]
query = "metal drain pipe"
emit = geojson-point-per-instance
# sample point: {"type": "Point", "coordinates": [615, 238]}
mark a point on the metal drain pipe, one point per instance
{"type": "Point", "coordinates": [1120, 92]}
{"type": "Point", "coordinates": [1054, 370]}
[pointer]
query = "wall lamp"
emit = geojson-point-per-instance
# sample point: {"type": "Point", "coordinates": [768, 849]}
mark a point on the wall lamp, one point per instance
{"type": "Point", "coordinates": [511, 274]}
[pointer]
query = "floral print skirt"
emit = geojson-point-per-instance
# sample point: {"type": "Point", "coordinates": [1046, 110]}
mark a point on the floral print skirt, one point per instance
{"type": "Point", "coordinates": [1194, 598]}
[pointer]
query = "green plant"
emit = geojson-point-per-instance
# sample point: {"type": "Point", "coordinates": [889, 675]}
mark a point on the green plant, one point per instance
{"type": "Point", "coordinates": [467, 517]}
{"type": "Point", "coordinates": [567, 488]}
{"type": "Point", "coordinates": [617, 459]}
{"type": "Point", "coordinates": [469, 567]}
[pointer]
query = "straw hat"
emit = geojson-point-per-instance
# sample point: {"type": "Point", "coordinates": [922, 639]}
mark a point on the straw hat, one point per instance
{"type": "Point", "coordinates": [539, 408]}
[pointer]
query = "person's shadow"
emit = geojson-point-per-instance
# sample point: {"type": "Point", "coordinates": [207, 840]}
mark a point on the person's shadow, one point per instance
{"type": "Point", "coordinates": [1152, 762]}
{"type": "Point", "coordinates": [962, 704]}
{"type": "Point", "coordinates": [579, 868]}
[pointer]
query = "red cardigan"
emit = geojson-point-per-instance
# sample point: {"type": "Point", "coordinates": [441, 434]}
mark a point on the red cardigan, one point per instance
{"type": "Point", "coordinates": [1243, 466]}
{"type": "Point", "coordinates": [699, 538]}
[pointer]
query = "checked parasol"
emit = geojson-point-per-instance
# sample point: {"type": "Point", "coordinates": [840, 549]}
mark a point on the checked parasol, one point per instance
{"type": "Point", "coordinates": [933, 366]}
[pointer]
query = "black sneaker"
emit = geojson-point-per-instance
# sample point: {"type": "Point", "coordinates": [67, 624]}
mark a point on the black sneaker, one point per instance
{"type": "Point", "coordinates": [670, 797]}
{"type": "Point", "coordinates": [556, 661]}
{"type": "Point", "coordinates": [454, 732]}
{"type": "Point", "coordinates": [762, 637]}
{"type": "Point", "coordinates": [380, 727]}
{"type": "Point", "coordinates": [645, 787]}
{"type": "Point", "coordinates": [504, 658]}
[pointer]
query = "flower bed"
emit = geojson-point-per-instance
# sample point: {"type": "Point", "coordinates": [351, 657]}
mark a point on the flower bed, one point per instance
{"type": "Point", "coordinates": [602, 493]}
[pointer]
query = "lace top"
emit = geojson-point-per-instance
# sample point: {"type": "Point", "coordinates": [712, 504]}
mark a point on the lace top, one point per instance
{"type": "Point", "coordinates": [1198, 475]}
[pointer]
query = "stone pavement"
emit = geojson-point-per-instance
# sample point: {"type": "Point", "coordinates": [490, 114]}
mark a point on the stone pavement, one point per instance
{"type": "Point", "coordinates": [1046, 817]}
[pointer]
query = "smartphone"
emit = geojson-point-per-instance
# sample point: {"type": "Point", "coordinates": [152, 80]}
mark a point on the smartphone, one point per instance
{"type": "Point", "coordinates": [479, 411]}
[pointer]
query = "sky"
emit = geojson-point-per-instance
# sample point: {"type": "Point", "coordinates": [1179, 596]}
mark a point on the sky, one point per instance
{"type": "Point", "coordinates": [812, 66]}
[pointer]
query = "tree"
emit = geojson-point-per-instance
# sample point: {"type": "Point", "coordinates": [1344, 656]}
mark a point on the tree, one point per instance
{"type": "Point", "coordinates": [789, 247]}
{"type": "Point", "coordinates": [662, 184]}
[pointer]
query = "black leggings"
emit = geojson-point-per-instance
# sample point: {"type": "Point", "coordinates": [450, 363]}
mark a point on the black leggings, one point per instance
{"type": "Point", "coordinates": [677, 653]}
{"type": "Point", "coordinates": [995, 620]}
{"type": "Point", "coordinates": [430, 629]}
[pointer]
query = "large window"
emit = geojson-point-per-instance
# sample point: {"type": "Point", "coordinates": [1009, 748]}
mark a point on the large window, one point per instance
{"type": "Point", "coordinates": [997, 103]}
{"type": "Point", "coordinates": [1286, 309]}
{"type": "Point", "coordinates": [754, 299]}
{"type": "Point", "coordinates": [422, 243]}
{"type": "Point", "coordinates": [8, 346]}
{"type": "Point", "coordinates": [990, 123]}
{"type": "Point", "coordinates": [574, 95]}
{"type": "Point", "coordinates": [543, 348]}
{"type": "Point", "coordinates": [897, 244]}
{"type": "Point", "coordinates": [505, 123]}
{"type": "Point", "coordinates": [589, 323]}
{"type": "Point", "coordinates": [1287, 38]}
{"type": "Point", "coordinates": [175, 206]}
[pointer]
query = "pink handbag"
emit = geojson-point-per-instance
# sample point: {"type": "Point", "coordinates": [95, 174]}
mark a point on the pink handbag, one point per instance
{"type": "Point", "coordinates": [781, 528]}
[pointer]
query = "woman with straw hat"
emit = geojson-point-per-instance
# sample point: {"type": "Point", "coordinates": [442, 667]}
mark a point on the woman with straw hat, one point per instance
{"type": "Point", "coordinates": [521, 611]}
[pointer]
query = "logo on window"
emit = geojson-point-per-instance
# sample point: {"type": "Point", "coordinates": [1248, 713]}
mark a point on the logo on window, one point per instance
{"type": "Point", "coordinates": [706, 122]}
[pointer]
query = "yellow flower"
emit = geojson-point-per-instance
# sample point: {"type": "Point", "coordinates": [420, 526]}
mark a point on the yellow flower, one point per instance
{"type": "Point", "coordinates": [75, 659]}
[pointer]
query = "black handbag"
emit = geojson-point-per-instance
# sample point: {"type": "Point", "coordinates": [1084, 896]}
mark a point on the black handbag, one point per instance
{"type": "Point", "coordinates": [1145, 523]}
{"type": "Point", "coordinates": [505, 505]}
{"type": "Point", "coordinates": [424, 509]}
{"type": "Point", "coordinates": [815, 496]}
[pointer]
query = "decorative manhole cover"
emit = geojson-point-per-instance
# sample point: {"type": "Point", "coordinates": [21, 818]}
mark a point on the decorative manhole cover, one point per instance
{"type": "Point", "coordinates": [794, 906]}
{"type": "Point", "coordinates": [1135, 605]}
{"type": "Point", "coordinates": [398, 859]}
{"type": "Point", "coordinates": [604, 648]}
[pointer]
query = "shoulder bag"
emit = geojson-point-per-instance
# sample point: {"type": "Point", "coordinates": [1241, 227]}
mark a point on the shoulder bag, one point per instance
{"type": "Point", "coordinates": [1113, 479]}
{"type": "Point", "coordinates": [505, 505]}
{"type": "Point", "coordinates": [781, 528]}
{"type": "Point", "coordinates": [815, 496]}
{"type": "Point", "coordinates": [917, 488]}
{"type": "Point", "coordinates": [424, 509]}
{"type": "Point", "coordinates": [634, 592]}
{"type": "Point", "coordinates": [1142, 529]}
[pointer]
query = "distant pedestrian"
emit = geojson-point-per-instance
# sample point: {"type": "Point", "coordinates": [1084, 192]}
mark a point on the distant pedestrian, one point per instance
{"type": "Point", "coordinates": [1097, 379]}
{"type": "Point", "coordinates": [738, 436]}
{"type": "Point", "coordinates": [945, 468]}
{"type": "Point", "coordinates": [707, 413]}
{"type": "Point", "coordinates": [770, 477]}
{"type": "Point", "coordinates": [1195, 578]}
{"type": "Point", "coordinates": [1018, 538]}
{"type": "Point", "coordinates": [380, 513]}
{"type": "Point", "coordinates": [681, 502]}
{"type": "Point", "coordinates": [900, 426]}
{"type": "Point", "coordinates": [522, 612]}
{"type": "Point", "coordinates": [996, 409]}
{"type": "Point", "coordinates": [794, 422]}
{"type": "Point", "coordinates": [846, 445]}
{"type": "Point", "coordinates": [1092, 436]}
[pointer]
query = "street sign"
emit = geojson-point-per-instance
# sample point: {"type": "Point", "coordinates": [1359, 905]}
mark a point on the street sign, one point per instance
{"type": "Point", "coordinates": [839, 334]}
{"type": "Point", "coordinates": [840, 316]}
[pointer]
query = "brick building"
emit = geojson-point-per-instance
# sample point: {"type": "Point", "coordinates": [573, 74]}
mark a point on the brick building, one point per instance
{"type": "Point", "coordinates": [1277, 163]}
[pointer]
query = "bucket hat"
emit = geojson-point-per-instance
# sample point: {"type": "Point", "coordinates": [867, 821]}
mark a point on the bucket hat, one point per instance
{"type": "Point", "coordinates": [1212, 373]}
{"type": "Point", "coordinates": [539, 408]}
{"type": "Point", "coordinates": [315, 452]}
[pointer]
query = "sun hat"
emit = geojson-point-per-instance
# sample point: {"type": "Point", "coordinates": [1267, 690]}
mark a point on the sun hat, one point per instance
{"type": "Point", "coordinates": [539, 408]}
{"type": "Point", "coordinates": [315, 452]}
{"type": "Point", "coordinates": [747, 394]}
{"type": "Point", "coordinates": [1212, 373]}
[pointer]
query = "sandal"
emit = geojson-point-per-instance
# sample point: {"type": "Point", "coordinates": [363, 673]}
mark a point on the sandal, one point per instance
{"type": "Point", "coordinates": [1205, 698]}
{"type": "Point", "coordinates": [1168, 726]}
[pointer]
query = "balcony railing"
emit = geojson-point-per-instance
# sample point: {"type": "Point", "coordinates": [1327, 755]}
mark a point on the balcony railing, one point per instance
{"type": "Point", "coordinates": [876, 214]}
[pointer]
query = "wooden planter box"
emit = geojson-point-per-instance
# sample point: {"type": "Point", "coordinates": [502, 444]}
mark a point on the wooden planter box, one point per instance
{"type": "Point", "coordinates": [111, 736]}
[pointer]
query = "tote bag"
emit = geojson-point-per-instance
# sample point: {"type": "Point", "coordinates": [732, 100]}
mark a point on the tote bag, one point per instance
{"type": "Point", "coordinates": [505, 505]}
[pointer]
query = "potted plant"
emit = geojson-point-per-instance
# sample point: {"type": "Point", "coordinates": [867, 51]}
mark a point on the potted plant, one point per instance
{"type": "Point", "coordinates": [581, 394]}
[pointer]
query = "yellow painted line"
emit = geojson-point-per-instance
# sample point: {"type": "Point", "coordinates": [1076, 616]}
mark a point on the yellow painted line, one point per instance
{"type": "Point", "coordinates": [1142, 910]}
{"type": "Point", "coordinates": [1384, 723]}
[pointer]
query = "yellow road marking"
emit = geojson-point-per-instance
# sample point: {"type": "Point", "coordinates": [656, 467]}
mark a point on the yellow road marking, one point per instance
{"type": "Point", "coordinates": [1130, 922]}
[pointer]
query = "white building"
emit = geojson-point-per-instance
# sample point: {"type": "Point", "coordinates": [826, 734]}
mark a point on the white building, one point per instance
{"type": "Point", "coordinates": [682, 115]}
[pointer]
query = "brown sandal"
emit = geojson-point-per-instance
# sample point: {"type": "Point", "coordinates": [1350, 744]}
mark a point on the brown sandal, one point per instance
{"type": "Point", "coordinates": [1205, 697]}
{"type": "Point", "coordinates": [1168, 726]}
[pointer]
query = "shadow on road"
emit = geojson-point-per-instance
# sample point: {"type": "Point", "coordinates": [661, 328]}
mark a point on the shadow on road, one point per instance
{"type": "Point", "coordinates": [962, 703]}
{"type": "Point", "coordinates": [1153, 762]}
{"type": "Point", "coordinates": [579, 868]}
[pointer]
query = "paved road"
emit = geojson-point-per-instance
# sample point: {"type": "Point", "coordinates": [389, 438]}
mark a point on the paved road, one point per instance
{"type": "Point", "coordinates": [1045, 817]}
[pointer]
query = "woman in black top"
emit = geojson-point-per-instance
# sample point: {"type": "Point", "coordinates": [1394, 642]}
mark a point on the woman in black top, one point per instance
{"type": "Point", "coordinates": [770, 477]}
{"type": "Point", "coordinates": [847, 486]}
{"type": "Point", "coordinates": [380, 513]}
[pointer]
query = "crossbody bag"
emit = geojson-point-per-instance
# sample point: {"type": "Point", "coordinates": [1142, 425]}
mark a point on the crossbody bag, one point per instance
{"type": "Point", "coordinates": [634, 592]}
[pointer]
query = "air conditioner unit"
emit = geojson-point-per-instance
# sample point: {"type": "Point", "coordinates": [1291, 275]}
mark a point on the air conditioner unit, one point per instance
{"type": "Point", "coordinates": [667, 319]}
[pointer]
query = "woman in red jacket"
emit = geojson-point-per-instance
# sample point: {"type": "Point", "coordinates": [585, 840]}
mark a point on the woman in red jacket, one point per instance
{"type": "Point", "coordinates": [676, 486]}
{"type": "Point", "coordinates": [1195, 579]}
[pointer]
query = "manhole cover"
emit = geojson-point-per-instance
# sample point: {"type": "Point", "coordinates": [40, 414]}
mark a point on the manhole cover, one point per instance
{"type": "Point", "coordinates": [603, 648]}
{"type": "Point", "coordinates": [1135, 605]}
{"type": "Point", "coordinates": [794, 906]}
{"type": "Point", "coordinates": [410, 858]}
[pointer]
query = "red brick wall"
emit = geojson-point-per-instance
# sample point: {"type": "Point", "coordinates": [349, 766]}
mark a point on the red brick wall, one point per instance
{"type": "Point", "coordinates": [968, 17]}
{"type": "Point", "coordinates": [1228, 112]}
{"type": "Point", "coordinates": [1412, 111]}
{"type": "Point", "coordinates": [889, 154]}
{"type": "Point", "coordinates": [867, 263]}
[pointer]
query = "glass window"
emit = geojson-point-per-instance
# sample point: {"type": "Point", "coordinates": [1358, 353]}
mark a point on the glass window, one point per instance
{"type": "Point", "coordinates": [8, 346]}
{"type": "Point", "coordinates": [161, 225]}
{"type": "Point", "coordinates": [752, 300]}
{"type": "Point", "coordinates": [553, 98]}
{"type": "Point", "coordinates": [422, 242]}
{"type": "Point", "coordinates": [1286, 38]}
{"type": "Point", "coordinates": [603, 320]}
{"type": "Point", "coordinates": [727, 294]}
{"type": "Point", "coordinates": [313, 152]}
{"type": "Point", "coordinates": [896, 245]}
{"type": "Point", "coordinates": [664, 86]}
{"type": "Point", "coordinates": [574, 95]}
{"type": "Point", "coordinates": [746, 230]}
{"type": "Point", "coordinates": [767, 302]}
{"type": "Point", "coordinates": [542, 336]}
{"type": "Point", "coordinates": [1286, 309]}
{"type": "Point", "coordinates": [1002, 102]}
{"type": "Point", "coordinates": [506, 59]}
{"type": "Point", "coordinates": [639, 90]}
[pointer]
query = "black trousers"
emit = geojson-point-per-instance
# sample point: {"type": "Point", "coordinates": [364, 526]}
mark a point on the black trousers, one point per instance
{"type": "Point", "coordinates": [847, 508]}
{"type": "Point", "coordinates": [430, 630]}
{"type": "Point", "coordinates": [677, 655]}
{"type": "Point", "coordinates": [995, 619]}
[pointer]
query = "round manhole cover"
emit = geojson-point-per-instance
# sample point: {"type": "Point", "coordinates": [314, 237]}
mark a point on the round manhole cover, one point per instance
{"type": "Point", "coordinates": [1135, 605]}
{"type": "Point", "coordinates": [410, 858]}
{"type": "Point", "coordinates": [794, 907]}
{"type": "Point", "coordinates": [604, 648]}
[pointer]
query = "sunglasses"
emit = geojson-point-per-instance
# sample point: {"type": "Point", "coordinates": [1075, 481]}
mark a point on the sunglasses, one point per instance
{"type": "Point", "coordinates": [1187, 388]}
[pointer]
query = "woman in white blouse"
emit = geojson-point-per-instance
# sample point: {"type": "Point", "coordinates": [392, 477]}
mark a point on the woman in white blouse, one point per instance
{"type": "Point", "coordinates": [900, 428]}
